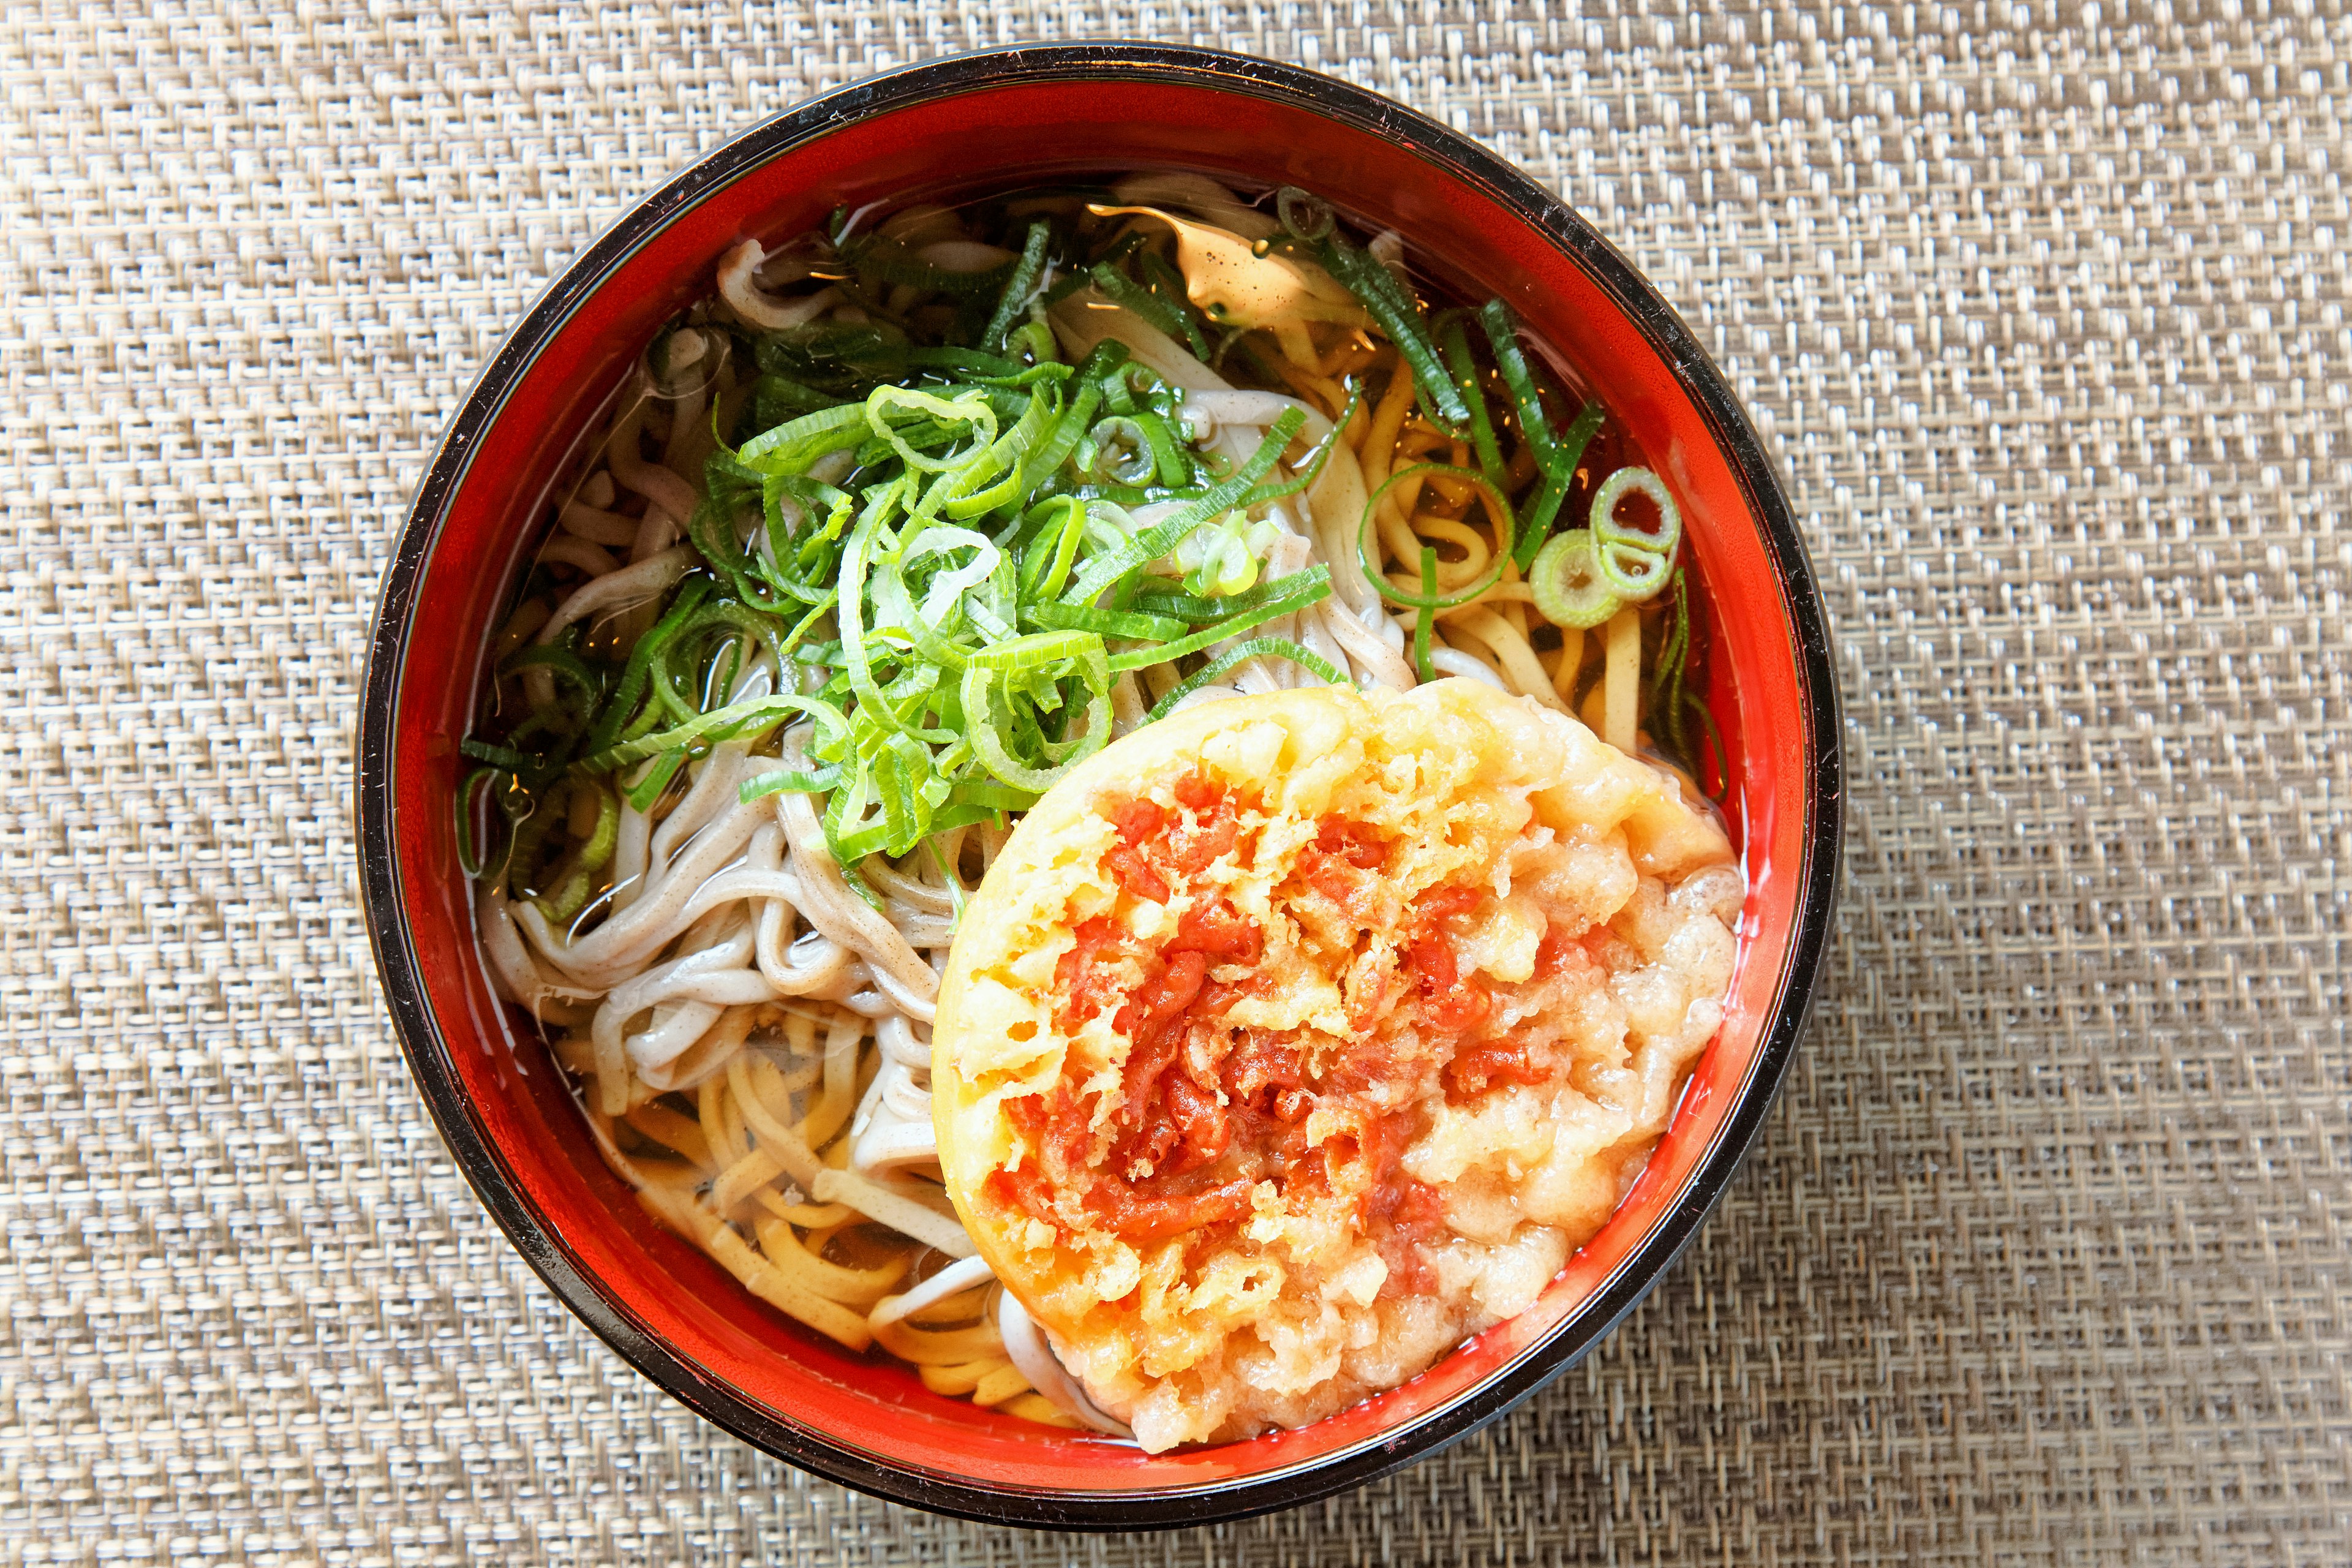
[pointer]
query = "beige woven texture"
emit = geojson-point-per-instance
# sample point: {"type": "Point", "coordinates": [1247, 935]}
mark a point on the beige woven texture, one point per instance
{"type": "Point", "coordinates": [2043, 1257]}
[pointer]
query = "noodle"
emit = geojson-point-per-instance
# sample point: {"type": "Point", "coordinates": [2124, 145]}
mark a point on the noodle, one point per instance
{"type": "Point", "coordinates": [1623, 680]}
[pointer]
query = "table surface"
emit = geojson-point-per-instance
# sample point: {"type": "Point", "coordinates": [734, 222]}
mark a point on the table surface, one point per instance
{"type": "Point", "coordinates": [2043, 311]}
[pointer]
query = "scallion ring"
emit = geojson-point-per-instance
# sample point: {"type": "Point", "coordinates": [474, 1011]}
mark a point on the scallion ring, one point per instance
{"type": "Point", "coordinates": [1498, 510]}
{"type": "Point", "coordinates": [1634, 573]}
{"type": "Point", "coordinates": [1610, 528]}
{"type": "Point", "coordinates": [1567, 583]}
{"type": "Point", "coordinates": [1122, 453]}
{"type": "Point", "coordinates": [972, 413]}
{"type": "Point", "coordinates": [1307, 218]}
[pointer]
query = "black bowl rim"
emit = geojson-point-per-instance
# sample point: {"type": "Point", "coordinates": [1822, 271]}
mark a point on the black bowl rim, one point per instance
{"type": "Point", "coordinates": [486, 1168]}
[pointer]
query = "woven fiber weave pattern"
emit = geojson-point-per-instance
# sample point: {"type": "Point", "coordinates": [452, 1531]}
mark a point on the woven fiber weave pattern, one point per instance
{"type": "Point", "coordinates": [2043, 310]}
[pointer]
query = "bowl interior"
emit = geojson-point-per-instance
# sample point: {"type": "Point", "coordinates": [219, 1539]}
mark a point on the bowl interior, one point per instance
{"type": "Point", "coordinates": [679, 1315]}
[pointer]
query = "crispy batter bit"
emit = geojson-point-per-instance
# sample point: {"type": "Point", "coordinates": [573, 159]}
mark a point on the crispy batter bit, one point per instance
{"type": "Point", "coordinates": [1206, 1108]}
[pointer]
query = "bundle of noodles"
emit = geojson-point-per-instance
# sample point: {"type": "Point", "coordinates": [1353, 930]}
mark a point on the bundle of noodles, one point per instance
{"type": "Point", "coordinates": [766, 710]}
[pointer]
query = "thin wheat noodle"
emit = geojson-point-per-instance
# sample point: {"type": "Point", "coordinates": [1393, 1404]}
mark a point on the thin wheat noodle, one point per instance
{"type": "Point", "coordinates": [857, 1289]}
{"type": "Point", "coordinates": [741, 883]}
{"type": "Point", "coordinates": [1509, 653]}
{"type": "Point", "coordinates": [964, 256]}
{"type": "Point", "coordinates": [1476, 552]}
{"type": "Point", "coordinates": [656, 533]}
{"type": "Point", "coordinates": [896, 1038]}
{"type": "Point", "coordinates": [879, 1203]}
{"type": "Point", "coordinates": [779, 1289]}
{"type": "Point", "coordinates": [1256, 409]}
{"type": "Point", "coordinates": [812, 966]}
{"type": "Point", "coordinates": [511, 962]}
{"type": "Point", "coordinates": [1370, 653]}
{"type": "Point", "coordinates": [1315, 636]}
{"type": "Point", "coordinates": [719, 1044]}
{"type": "Point", "coordinates": [687, 430]}
{"type": "Point", "coordinates": [795, 1158]}
{"type": "Point", "coordinates": [669, 1035]}
{"type": "Point", "coordinates": [1571, 661]}
{"type": "Point", "coordinates": [662, 488]}
{"type": "Point", "coordinates": [1128, 709]}
{"type": "Point", "coordinates": [743, 295]}
{"type": "Point", "coordinates": [596, 526]}
{"type": "Point", "coordinates": [713, 792]}
{"type": "Point", "coordinates": [1622, 680]}
{"type": "Point", "coordinates": [650, 924]}
{"type": "Point", "coordinates": [631, 845]}
{"type": "Point", "coordinates": [625, 589]}
{"type": "Point", "coordinates": [1025, 1346]}
{"type": "Point", "coordinates": [1198, 195]}
{"type": "Point", "coordinates": [564, 549]}
{"type": "Point", "coordinates": [675, 981]}
{"type": "Point", "coordinates": [829, 905]}
{"type": "Point", "coordinates": [954, 1279]}
{"type": "Point", "coordinates": [1388, 419]}
{"type": "Point", "coordinates": [1087, 318]}
{"type": "Point", "coordinates": [899, 887]}
{"type": "Point", "coordinates": [1456, 662]}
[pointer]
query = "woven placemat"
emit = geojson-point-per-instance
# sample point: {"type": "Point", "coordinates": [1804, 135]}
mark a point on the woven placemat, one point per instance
{"type": "Point", "coordinates": [2045, 1255]}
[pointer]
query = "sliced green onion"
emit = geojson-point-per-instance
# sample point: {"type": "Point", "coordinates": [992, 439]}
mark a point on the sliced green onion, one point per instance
{"type": "Point", "coordinates": [1192, 607]}
{"type": "Point", "coordinates": [1168, 462]}
{"type": "Point", "coordinates": [1308, 217]}
{"type": "Point", "coordinates": [1154, 542]}
{"type": "Point", "coordinates": [1376, 288]}
{"type": "Point", "coordinates": [1542, 507]}
{"type": "Point", "coordinates": [590, 856]}
{"type": "Point", "coordinates": [647, 790]}
{"type": "Point", "coordinates": [1225, 663]}
{"type": "Point", "coordinates": [1608, 529]}
{"type": "Point", "coordinates": [790, 449]}
{"type": "Point", "coordinates": [1567, 583]}
{"type": "Point", "coordinates": [1454, 342]}
{"type": "Point", "coordinates": [1110, 436]}
{"type": "Point", "coordinates": [972, 413]}
{"type": "Point", "coordinates": [468, 788]}
{"type": "Point", "coordinates": [1307, 593]}
{"type": "Point", "coordinates": [1503, 334]}
{"type": "Point", "coordinates": [1674, 655]}
{"type": "Point", "coordinates": [1499, 511]}
{"type": "Point", "coordinates": [1051, 616]}
{"type": "Point", "coordinates": [505, 757]}
{"type": "Point", "coordinates": [1634, 573]}
{"type": "Point", "coordinates": [799, 781]}
{"type": "Point", "coordinates": [1226, 566]}
{"type": "Point", "coordinates": [1125, 292]}
{"type": "Point", "coordinates": [1024, 673]}
{"type": "Point", "coordinates": [1422, 618]}
{"type": "Point", "coordinates": [1019, 287]}
{"type": "Point", "coordinates": [749, 716]}
{"type": "Point", "coordinates": [1166, 285]}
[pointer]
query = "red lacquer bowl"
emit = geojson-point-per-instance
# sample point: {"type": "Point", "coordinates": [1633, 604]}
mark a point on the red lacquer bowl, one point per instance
{"type": "Point", "coordinates": [993, 120]}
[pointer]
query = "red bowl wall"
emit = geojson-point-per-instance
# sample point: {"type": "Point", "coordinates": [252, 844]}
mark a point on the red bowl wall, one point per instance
{"type": "Point", "coordinates": [665, 1286]}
